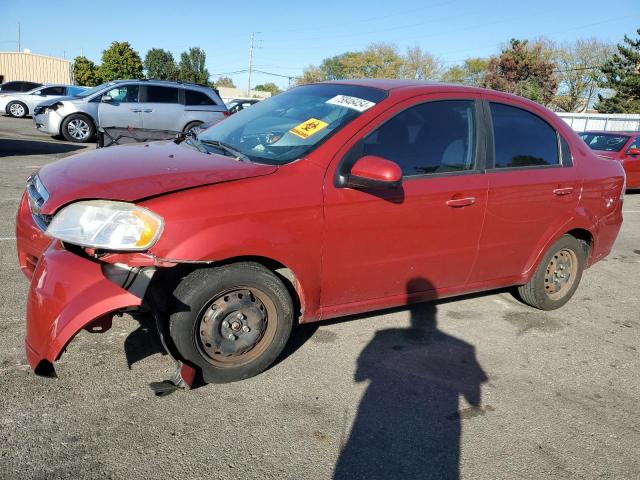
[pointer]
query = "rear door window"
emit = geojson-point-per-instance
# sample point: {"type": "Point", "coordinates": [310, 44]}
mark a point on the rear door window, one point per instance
{"type": "Point", "coordinates": [522, 139]}
{"type": "Point", "coordinates": [158, 94]}
{"type": "Point", "coordinates": [193, 97]}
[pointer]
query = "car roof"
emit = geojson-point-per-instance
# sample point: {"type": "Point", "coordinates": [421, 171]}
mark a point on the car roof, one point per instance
{"type": "Point", "coordinates": [426, 86]}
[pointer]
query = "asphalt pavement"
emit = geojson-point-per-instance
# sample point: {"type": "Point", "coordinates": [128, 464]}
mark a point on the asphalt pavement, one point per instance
{"type": "Point", "coordinates": [479, 387]}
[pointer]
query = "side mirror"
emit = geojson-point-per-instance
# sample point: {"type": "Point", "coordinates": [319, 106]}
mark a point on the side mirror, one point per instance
{"type": "Point", "coordinates": [106, 99]}
{"type": "Point", "coordinates": [633, 151]}
{"type": "Point", "coordinates": [372, 171]}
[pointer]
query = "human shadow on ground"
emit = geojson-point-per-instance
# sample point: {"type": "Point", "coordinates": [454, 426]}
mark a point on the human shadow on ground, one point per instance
{"type": "Point", "coordinates": [408, 423]}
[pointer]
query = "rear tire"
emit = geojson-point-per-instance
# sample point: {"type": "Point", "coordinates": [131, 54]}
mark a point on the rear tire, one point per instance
{"type": "Point", "coordinates": [557, 276]}
{"type": "Point", "coordinates": [17, 109]}
{"type": "Point", "coordinates": [78, 128]}
{"type": "Point", "coordinates": [230, 321]}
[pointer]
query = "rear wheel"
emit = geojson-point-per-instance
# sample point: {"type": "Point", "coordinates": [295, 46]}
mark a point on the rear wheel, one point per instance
{"type": "Point", "coordinates": [231, 321]}
{"type": "Point", "coordinates": [78, 128]}
{"type": "Point", "coordinates": [17, 109]}
{"type": "Point", "coordinates": [557, 276]}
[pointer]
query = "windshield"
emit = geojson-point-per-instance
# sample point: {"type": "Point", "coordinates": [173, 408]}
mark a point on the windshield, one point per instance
{"type": "Point", "coordinates": [93, 90]}
{"type": "Point", "coordinates": [609, 142]}
{"type": "Point", "coordinates": [290, 125]}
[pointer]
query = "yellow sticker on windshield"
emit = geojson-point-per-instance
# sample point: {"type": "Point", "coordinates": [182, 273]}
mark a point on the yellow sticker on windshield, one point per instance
{"type": "Point", "coordinates": [308, 128]}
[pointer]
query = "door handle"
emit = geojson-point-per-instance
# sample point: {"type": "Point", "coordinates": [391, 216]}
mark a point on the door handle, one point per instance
{"type": "Point", "coordinates": [136, 110]}
{"type": "Point", "coordinates": [563, 191]}
{"type": "Point", "coordinates": [148, 110]}
{"type": "Point", "coordinates": [461, 202]}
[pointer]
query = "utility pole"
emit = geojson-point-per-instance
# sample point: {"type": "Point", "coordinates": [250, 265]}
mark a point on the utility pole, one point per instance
{"type": "Point", "coordinates": [18, 36]}
{"type": "Point", "coordinates": [251, 44]}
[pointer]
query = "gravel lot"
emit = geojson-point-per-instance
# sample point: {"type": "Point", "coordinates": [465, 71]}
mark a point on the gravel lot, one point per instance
{"type": "Point", "coordinates": [480, 387]}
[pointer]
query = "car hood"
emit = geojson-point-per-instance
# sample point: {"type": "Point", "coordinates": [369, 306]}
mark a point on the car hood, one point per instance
{"type": "Point", "coordinates": [130, 173]}
{"type": "Point", "coordinates": [51, 101]}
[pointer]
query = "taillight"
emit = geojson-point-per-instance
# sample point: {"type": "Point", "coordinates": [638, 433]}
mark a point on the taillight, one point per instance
{"type": "Point", "coordinates": [227, 113]}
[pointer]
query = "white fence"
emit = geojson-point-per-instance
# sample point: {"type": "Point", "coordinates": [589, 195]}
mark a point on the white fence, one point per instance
{"type": "Point", "coordinates": [581, 122]}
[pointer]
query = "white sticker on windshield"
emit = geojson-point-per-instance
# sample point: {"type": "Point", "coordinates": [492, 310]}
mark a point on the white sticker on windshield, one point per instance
{"type": "Point", "coordinates": [354, 103]}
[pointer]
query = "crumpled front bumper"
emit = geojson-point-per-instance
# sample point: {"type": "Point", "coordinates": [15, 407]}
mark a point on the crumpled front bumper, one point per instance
{"type": "Point", "coordinates": [68, 292]}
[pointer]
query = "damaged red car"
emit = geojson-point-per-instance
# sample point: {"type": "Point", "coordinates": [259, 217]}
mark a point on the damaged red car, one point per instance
{"type": "Point", "coordinates": [324, 201]}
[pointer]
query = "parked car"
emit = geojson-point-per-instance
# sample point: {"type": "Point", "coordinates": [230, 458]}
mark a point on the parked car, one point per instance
{"type": "Point", "coordinates": [238, 104]}
{"type": "Point", "coordinates": [22, 104]}
{"type": "Point", "coordinates": [140, 104]}
{"type": "Point", "coordinates": [621, 146]}
{"type": "Point", "coordinates": [18, 86]}
{"type": "Point", "coordinates": [327, 200]}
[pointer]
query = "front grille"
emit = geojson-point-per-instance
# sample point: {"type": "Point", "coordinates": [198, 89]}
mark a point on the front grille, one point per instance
{"type": "Point", "coordinates": [38, 195]}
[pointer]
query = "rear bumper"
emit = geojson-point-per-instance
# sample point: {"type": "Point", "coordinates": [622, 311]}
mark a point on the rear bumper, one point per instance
{"type": "Point", "coordinates": [67, 293]}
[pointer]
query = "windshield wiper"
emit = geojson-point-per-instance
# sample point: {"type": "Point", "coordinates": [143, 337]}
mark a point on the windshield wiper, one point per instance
{"type": "Point", "coordinates": [191, 140]}
{"type": "Point", "coordinates": [227, 148]}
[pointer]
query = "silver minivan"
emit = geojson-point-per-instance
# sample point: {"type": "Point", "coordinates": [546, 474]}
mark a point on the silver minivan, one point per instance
{"type": "Point", "coordinates": [139, 104]}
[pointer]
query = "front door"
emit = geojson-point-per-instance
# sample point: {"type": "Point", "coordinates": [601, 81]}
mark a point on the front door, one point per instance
{"type": "Point", "coordinates": [423, 236]}
{"type": "Point", "coordinates": [123, 111]}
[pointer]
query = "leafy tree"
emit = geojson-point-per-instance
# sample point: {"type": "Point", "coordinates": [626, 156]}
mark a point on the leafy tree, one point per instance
{"type": "Point", "coordinates": [120, 61]}
{"type": "Point", "coordinates": [268, 87]}
{"type": "Point", "coordinates": [160, 64]}
{"type": "Point", "coordinates": [419, 65]}
{"type": "Point", "coordinates": [311, 74]}
{"type": "Point", "coordinates": [471, 72]}
{"type": "Point", "coordinates": [225, 82]}
{"type": "Point", "coordinates": [622, 74]}
{"type": "Point", "coordinates": [84, 72]}
{"type": "Point", "coordinates": [579, 66]}
{"type": "Point", "coordinates": [524, 69]}
{"type": "Point", "coordinates": [192, 66]}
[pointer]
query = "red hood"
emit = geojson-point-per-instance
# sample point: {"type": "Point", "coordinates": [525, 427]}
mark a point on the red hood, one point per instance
{"type": "Point", "coordinates": [133, 172]}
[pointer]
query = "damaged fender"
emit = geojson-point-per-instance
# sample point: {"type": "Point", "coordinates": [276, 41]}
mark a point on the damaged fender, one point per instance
{"type": "Point", "coordinates": [67, 293]}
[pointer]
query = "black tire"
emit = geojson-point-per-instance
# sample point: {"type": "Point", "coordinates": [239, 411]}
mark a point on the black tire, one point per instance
{"type": "Point", "coordinates": [78, 128]}
{"type": "Point", "coordinates": [191, 125]}
{"type": "Point", "coordinates": [548, 289]}
{"type": "Point", "coordinates": [17, 109]}
{"type": "Point", "coordinates": [208, 298]}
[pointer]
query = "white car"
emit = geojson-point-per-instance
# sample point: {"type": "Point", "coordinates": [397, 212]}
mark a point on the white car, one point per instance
{"type": "Point", "coordinates": [22, 104]}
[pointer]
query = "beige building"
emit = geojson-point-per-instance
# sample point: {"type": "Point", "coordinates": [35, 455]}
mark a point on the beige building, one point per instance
{"type": "Point", "coordinates": [228, 94]}
{"type": "Point", "coordinates": [34, 68]}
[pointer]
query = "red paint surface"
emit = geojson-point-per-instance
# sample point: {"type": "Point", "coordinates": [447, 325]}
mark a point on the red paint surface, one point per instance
{"type": "Point", "coordinates": [630, 163]}
{"type": "Point", "coordinates": [350, 250]}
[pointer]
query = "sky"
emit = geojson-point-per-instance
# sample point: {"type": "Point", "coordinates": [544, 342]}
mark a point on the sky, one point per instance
{"type": "Point", "coordinates": [290, 35]}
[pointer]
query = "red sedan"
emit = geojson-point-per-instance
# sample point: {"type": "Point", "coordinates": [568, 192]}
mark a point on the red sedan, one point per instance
{"type": "Point", "coordinates": [621, 146]}
{"type": "Point", "coordinates": [327, 200]}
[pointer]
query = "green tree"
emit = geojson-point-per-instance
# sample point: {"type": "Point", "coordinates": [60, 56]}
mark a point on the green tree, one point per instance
{"type": "Point", "coordinates": [160, 64]}
{"type": "Point", "coordinates": [579, 69]}
{"type": "Point", "coordinates": [268, 87]}
{"type": "Point", "coordinates": [524, 69]}
{"type": "Point", "coordinates": [622, 74]}
{"type": "Point", "coordinates": [84, 72]}
{"type": "Point", "coordinates": [471, 72]}
{"type": "Point", "coordinates": [311, 74]}
{"type": "Point", "coordinates": [225, 82]}
{"type": "Point", "coordinates": [419, 65]}
{"type": "Point", "coordinates": [120, 61]}
{"type": "Point", "coordinates": [192, 66]}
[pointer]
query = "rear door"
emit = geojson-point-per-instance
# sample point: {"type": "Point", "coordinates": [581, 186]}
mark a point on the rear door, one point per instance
{"type": "Point", "coordinates": [532, 192]}
{"type": "Point", "coordinates": [123, 111]}
{"type": "Point", "coordinates": [162, 107]}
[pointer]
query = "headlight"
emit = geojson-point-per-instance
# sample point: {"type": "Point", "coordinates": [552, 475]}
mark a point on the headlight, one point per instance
{"type": "Point", "coordinates": [106, 225]}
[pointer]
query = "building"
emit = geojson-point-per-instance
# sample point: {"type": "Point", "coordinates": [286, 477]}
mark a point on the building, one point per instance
{"type": "Point", "coordinates": [34, 68]}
